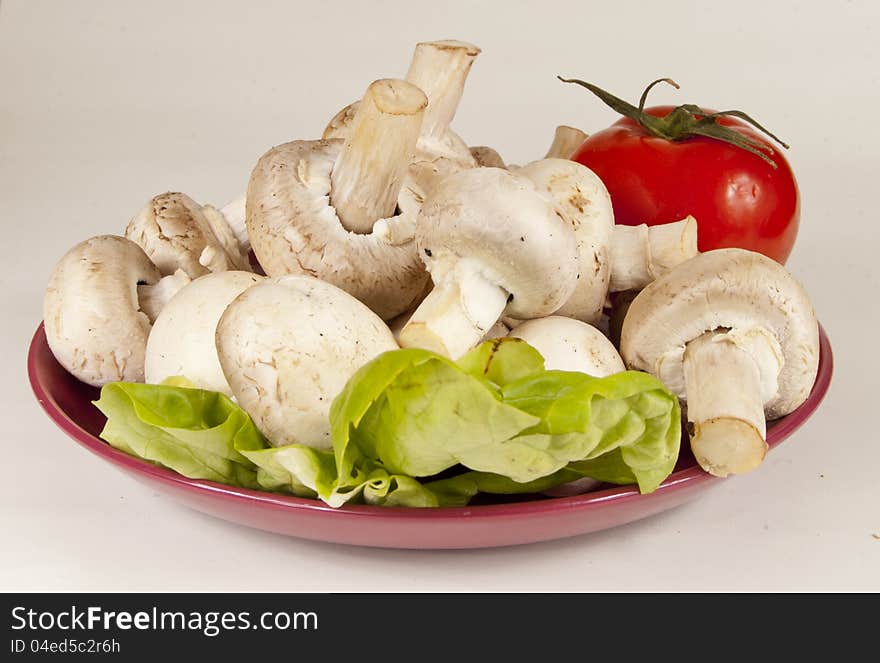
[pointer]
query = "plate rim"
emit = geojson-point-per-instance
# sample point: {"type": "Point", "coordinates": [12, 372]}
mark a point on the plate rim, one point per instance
{"type": "Point", "coordinates": [688, 477]}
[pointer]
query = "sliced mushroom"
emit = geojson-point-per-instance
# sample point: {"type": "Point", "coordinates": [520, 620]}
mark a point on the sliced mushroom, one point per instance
{"type": "Point", "coordinates": [570, 345]}
{"type": "Point", "coordinates": [492, 243]}
{"type": "Point", "coordinates": [439, 69]}
{"type": "Point", "coordinates": [345, 212]}
{"type": "Point", "coordinates": [182, 340]}
{"type": "Point", "coordinates": [178, 233]}
{"type": "Point", "coordinates": [287, 347]}
{"type": "Point", "coordinates": [734, 334]}
{"type": "Point", "coordinates": [95, 325]}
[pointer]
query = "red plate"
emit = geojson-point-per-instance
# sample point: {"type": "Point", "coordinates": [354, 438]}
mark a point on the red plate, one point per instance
{"type": "Point", "coordinates": [535, 518]}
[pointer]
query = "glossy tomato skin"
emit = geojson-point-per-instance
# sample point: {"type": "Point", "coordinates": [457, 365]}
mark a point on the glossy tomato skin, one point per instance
{"type": "Point", "coordinates": [738, 199]}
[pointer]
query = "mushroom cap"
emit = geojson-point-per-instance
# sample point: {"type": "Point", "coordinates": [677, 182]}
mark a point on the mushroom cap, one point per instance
{"type": "Point", "coordinates": [570, 345]}
{"type": "Point", "coordinates": [178, 233]}
{"type": "Point", "coordinates": [733, 289]}
{"type": "Point", "coordinates": [294, 230]}
{"type": "Point", "coordinates": [287, 347]}
{"type": "Point", "coordinates": [182, 341]}
{"type": "Point", "coordinates": [93, 322]}
{"type": "Point", "coordinates": [585, 201]}
{"type": "Point", "coordinates": [515, 236]}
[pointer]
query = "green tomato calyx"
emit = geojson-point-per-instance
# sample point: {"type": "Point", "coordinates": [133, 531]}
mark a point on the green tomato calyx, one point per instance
{"type": "Point", "coordinates": [686, 121]}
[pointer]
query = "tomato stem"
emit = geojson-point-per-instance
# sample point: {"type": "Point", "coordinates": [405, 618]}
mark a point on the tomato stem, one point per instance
{"type": "Point", "coordinates": [686, 121]}
{"type": "Point", "coordinates": [644, 96]}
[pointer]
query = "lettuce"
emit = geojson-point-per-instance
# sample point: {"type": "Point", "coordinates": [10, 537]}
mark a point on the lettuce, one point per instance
{"type": "Point", "coordinates": [629, 420]}
{"type": "Point", "coordinates": [205, 435]}
{"type": "Point", "coordinates": [493, 422]}
{"type": "Point", "coordinates": [498, 412]}
{"type": "Point", "coordinates": [199, 434]}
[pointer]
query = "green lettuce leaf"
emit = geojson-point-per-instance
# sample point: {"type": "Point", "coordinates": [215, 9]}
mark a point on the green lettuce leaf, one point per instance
{"type": "Point", "coordinates": [630, 415]}
{"type": "Point", "coordinates": [417, 414]}
{"type": "Point", "coordinates": [502, 360]}
{"type": "Point", "coordinates": [496, 411]}
{"type": "Point", "coordinates": [199, 434]}
{"type": "Point", "coordinates": [205, 435]}
{"type": "Point", "coordinates": [495, 416]}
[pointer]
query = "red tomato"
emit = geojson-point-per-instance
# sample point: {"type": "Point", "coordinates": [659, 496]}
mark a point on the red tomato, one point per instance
{"type": "Point", "coordinates": [737, 198]}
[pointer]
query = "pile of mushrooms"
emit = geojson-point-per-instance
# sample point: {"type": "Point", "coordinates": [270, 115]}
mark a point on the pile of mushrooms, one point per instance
{"type": "Point", "coordinates": [391, 231]}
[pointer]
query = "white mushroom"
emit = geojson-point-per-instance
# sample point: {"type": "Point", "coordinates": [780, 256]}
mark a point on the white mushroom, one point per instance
{"type": "Point", "coordinates": [565, 141]}
{"type": "Point", "coordinates": [287, 347]}
{"type": "Point", "coordinates": [612, 257]}
{"type": "Point", "coordinates": [309, 204]}
{"type": "Point", "coordinates": [570, 345]}
{"type": "Point", "coordinates": [498, 330]}
{"type": "Point", "coordinates": [369, 173]}
{"type": "Point", "coordinates": [586, 204]}
{"type": "Point", "coordinates": [153, 298]}
{"type": "Point", "coordinates": [734, 334]}
{"type": "Point", "coordinates": [439, 69]}
{"type": "Point", "coordinates": [178, 233]}
{"type": "Point", "coordinates": [492, 243]}
{"type": "Point", "coordinates": [234, 214]}
{"type": "Point", "coordinates": [95, 324]}
{"type": "Point", "coordinates": [487, 157]}
{"type": "Point", "coordinates": [182, 341]}
{"type": "Point", "coordinates": [639, 254]}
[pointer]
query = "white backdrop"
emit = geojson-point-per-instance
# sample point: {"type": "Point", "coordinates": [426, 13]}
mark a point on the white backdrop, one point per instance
{"type": "Point", "coordinates": [105, 104]}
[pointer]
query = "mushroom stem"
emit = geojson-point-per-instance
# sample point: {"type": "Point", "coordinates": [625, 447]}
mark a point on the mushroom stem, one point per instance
{"type": "Point", "coordinates": [487, 157]}
{"type": "Point", "coordinates": [440, 68]}
{"type": "Point", "coordinates": [234, 213]}
{"type": "Point", "coordinates": [152, 298]}
{"type": "Point", "coordinates": [565, 141]}
{"type": "Point", "coordinates": [369, 173]}
{"type": "Point", "coordinates": [724, 404]}
{"type": "Point", "coordinates": [455, 315]}
{"type": "Point", "coordinates": [639, 254]}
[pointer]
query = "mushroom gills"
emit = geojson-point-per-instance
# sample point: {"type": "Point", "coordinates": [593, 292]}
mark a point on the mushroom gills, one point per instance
{"type": "Point", "coordinates": [728, 376]}
{"type": "Point", "coordinates": [456, 314]}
